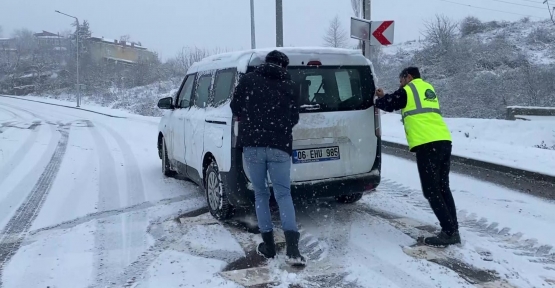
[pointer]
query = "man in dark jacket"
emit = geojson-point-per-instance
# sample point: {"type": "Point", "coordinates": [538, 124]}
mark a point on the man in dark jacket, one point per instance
{"type": "Point", "coordinates": [266, 103]}
{"type": "Point", "coordinates": [429, 137]}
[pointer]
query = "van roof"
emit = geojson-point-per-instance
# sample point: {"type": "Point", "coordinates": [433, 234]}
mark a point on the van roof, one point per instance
{"type": "Point", "coordinates": [298, 56]}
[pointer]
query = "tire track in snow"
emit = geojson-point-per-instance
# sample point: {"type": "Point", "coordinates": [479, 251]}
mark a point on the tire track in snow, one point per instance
{"type": "Point", "coordinates": [14, 232]}
{"type": "Point", "coordinates": [135, 186]}
{"type": "Point", "coordinates": [334, 222]}
{"type": "Point", "coordinates": [15, 161]}
{"type": "Point", "coordinates": [108, 188]}
{"type": "Point", "coordinates": [125, 237]}
{"type": "Point", "coordinates": [530, 248]}
{"type": "Point", "coordinates": [14, 196]}
{"type": "Point", "coordinates": [134, 224]}
{"type": "Point", "coordinates": [166, 232]}
{"type": "Point", "coordinates": [107, 241]}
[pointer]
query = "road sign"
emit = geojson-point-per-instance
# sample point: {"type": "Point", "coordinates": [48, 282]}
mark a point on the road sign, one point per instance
{"type": "Point", "coordinates": [360, 29]}
{"type": "Point", "coordinates": [378, 32]}
{"type": "Point", "coordinates": [382, 32]}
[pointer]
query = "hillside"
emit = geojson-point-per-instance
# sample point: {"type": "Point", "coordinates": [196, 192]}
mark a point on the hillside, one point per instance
{"type": "Point", "coordinates": [479, 68]}
{"type": "Point", "coordinates": [536, 40]}
{"type": "Point", "coordinates": [140, 100]}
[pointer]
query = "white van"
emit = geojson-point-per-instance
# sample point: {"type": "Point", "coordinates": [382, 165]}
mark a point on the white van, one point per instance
{"type": "Point", "coordinates": [336, 144]}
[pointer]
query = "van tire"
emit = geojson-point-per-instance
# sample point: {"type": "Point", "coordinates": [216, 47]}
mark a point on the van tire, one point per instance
{"type": "Point", "coordinates": [348, 199]}
{"type": "Point", "coordinates": [216, 194]}
{"type": "Point", "coordinates": [166, 167]}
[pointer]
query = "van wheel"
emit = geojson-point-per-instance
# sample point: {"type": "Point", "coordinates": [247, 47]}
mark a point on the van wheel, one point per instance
{"type": "Point", "coordinates": [348, 199]}
{"type": "Point", "coordinates": [216, 196]}
{"type": "Point", "coordinates": [166, 168]}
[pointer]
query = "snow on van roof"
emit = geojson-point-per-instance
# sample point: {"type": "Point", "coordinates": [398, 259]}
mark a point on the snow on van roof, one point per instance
{"type": "Point", "coordinates": [287, 50]}
{"type": "Point", "coordinates": [231, 59]}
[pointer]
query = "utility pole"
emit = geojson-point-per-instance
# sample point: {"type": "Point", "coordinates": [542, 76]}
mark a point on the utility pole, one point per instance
{"type": "Point", "coordinates": [279, 23]}
{"type": "Point", "coordinates": [366, 12]}
{"type": "Point", "coordinates": [77, 44]}
{"type": "Point", "coordinates": [253, 34]}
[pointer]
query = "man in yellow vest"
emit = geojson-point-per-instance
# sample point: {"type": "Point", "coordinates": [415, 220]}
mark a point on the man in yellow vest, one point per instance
{"type": "Point", "coordinates": [429, 137]}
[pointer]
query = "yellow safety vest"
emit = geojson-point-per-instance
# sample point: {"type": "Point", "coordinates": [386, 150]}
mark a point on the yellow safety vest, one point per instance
{"type": "Point", "coordinates": [422, 116]}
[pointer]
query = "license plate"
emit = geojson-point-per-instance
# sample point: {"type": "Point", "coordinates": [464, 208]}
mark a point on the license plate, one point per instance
{"type": "Point", "coordinates": [315, 155]}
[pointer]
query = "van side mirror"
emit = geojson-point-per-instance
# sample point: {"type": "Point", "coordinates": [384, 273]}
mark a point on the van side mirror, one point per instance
{"type": "Point", "coordinates": [166, 103]}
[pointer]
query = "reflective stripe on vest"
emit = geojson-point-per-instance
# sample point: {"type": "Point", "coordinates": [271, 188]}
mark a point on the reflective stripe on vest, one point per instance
{"type": "Point", "coordinates": [419, 109]}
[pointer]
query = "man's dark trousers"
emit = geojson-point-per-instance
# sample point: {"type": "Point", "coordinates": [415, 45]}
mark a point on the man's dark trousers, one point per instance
{"type": "Point", "coordinates": [433, 161]}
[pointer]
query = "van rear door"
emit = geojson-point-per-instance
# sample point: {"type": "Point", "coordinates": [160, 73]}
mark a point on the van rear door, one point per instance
{"type": "Point", "coordinates": [336, 135]}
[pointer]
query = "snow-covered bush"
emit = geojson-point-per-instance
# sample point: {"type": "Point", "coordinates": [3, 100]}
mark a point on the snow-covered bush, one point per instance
{"type": "Point", "coordinates": [541, 35]}
{"type": "Point", "coordinates": [471, 25]}
{"type": "Point", "coordinates": [545, 146]}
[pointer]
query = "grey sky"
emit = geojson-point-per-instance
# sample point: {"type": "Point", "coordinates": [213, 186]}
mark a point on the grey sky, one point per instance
{"type": "Point", "coordinates": [167, 25]}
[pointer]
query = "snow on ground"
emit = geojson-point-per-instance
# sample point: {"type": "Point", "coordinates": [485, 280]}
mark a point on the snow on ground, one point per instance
{"type": "Point", "coordinates": [172, 268]}
{"type": "Point", "coordinates": [109, 218]}
{"type": "Point", "coordinates": [503, 142]}
{"type": "Point", "coordinates": [476, 200]}
{"type": "Point", "coordinates": [60, 259]}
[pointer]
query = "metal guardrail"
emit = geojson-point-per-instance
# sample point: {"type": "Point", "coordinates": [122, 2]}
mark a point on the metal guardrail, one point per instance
{"type": "Point", "coordinates": [518, 173]}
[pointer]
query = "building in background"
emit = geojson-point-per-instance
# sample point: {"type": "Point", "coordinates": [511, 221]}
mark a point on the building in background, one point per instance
{"type": "Point", "coordinates": [110, 50]}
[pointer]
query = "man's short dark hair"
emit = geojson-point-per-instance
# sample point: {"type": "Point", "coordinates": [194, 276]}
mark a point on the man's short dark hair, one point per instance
{"type": "Point", "coordinates": [278, 58]}
{"type": "Point", "coordinates": [412, 71]}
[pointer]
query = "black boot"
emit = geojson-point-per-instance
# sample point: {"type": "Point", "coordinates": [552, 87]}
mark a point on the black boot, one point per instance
{"type": "Point", "coordinates": [268, 247]}
{"type": "Point", "coordinates": [443, 239]}
{"type": "Point", "coordinates": [294, 257]}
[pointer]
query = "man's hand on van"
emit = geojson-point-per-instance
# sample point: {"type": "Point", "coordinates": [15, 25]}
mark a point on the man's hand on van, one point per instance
{"type": "Point", "coordinates": [380, 93]}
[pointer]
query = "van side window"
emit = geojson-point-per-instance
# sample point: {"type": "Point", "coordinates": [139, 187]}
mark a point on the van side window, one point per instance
{"type": "Point", "coordinates": [184, 99]}
{"type": "Point", "coordinates": [203, 90]}
{"type": "Point", "coordinates": [223, 85]}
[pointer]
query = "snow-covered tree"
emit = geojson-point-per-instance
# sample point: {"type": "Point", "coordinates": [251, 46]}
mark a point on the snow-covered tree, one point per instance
{"type": "Point", "coordinates": [336, 36]}
{"type": "Point", "coordinates": [441, 32]}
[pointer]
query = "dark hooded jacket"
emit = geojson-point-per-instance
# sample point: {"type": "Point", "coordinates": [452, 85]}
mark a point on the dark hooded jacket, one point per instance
{"type": "Point", "coordinates": [266, 102]}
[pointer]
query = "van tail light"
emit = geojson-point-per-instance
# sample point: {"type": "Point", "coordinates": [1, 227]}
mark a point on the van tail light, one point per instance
{"type": "Point", "coordinates": [377, 122]}
{"type": "Point", "coordinates": [235, 126]}
{"type": "Point", "coordinates": [314, 63]}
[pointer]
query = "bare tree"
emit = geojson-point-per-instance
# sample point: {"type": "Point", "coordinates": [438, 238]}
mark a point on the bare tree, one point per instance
{"type": "Point", "coordinates": [336, 36]}
{"type": "Point", "coordinates": [125, 38]}
{"type": "Point", "coordinates": [441, 31]}
{"type": "Point", "coordinates": [551, 11]}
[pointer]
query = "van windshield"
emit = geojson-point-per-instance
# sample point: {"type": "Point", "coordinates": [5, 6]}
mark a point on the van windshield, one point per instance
{"type": "Point", "coordinates": [333, 88]}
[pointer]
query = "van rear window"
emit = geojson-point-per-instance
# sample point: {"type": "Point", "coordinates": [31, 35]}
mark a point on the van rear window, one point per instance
{"type": "Point", "coordinates": [329, 88]}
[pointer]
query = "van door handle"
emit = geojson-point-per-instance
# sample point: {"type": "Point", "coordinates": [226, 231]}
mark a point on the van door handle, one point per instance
{"type": "Point", "coordinates": [215, 122]}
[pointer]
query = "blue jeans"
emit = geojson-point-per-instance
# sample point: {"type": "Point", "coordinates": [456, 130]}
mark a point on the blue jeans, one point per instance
{"type": "Point", "coordinates": [259, 161]}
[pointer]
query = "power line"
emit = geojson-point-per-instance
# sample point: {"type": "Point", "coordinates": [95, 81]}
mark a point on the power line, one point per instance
{"type": "Point", "coordinates": [484, 8]}
{"type": "Point", "coordinates": [532, 1]}
{"type": "Point", "coordinates": [518, 4]}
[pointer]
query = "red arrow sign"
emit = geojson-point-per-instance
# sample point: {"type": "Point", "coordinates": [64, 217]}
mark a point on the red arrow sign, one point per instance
{"type": "Point", "coordinates": [378, 33]}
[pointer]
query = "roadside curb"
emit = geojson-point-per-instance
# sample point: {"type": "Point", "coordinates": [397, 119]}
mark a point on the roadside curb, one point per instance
{"type": "Point", "coordinates": [66, 106]}
{"type": "Point", "coordinates": [404, 149]}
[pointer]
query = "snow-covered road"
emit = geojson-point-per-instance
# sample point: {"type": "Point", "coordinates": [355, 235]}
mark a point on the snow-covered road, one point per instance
{"type": "Point", "coordinates": [83, 203]}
